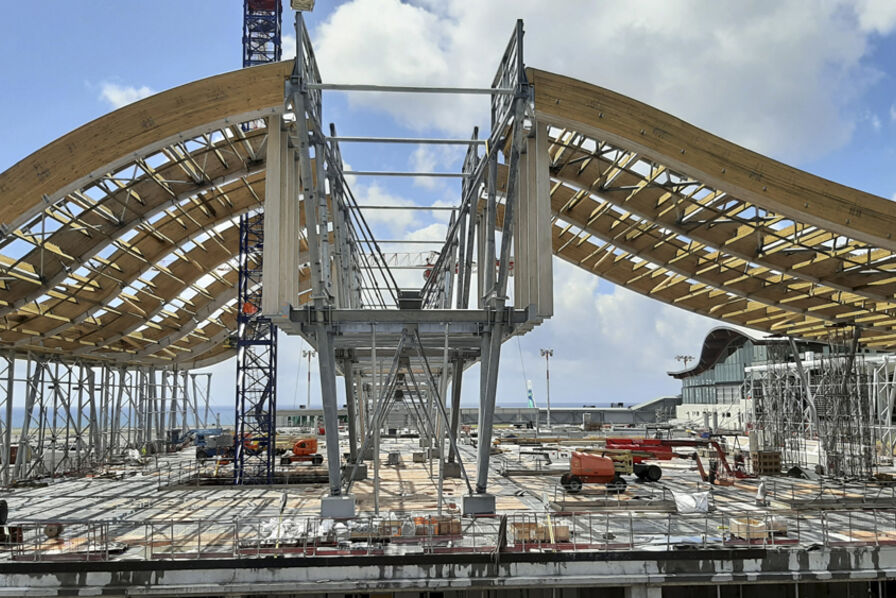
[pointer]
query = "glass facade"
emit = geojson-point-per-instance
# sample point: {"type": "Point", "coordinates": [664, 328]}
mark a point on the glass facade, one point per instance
{"type": "Point", "coordinates": [721, 384]}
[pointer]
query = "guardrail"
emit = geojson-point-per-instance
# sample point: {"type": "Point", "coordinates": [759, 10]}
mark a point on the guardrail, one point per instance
{"type": "Point", "coordinates": [403, 533]}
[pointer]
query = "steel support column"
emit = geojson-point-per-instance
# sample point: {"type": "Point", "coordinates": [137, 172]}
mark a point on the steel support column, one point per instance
{"type": "Point", "coordinates": [326, 360]}
{"type": "Point", "coordinates": [456, 380]}
{"type": "Point", "coordinates": [6, 393]}
{"type": "Point", "coordinates": [350, 403]}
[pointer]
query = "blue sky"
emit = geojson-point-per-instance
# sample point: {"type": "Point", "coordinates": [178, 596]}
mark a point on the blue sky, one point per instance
{"type": "Point", "coordinates": [812, 84]}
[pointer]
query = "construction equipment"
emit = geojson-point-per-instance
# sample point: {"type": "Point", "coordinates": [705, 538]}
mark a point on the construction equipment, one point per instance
{"type": "Point", "coordinates": [212, 446]}
{"type": "Point", "coordinates": [663, 450]}
{"type": "Point", "coordinates": [627, 462]}
{"type": "Point", "coordinates": [303, 451]}
{"type": "Point", "coordinates": [592, 469]}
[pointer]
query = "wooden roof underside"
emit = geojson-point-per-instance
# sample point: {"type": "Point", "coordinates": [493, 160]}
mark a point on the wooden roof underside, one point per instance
{"type": "Point", "coordinates": [120, 237]}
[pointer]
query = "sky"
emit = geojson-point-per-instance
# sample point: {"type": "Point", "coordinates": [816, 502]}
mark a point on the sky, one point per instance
{"type": "Point", "coordinates": [810, 84]}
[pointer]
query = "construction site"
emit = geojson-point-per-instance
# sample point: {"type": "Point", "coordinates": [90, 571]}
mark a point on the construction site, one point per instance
{"type": "Point", "coordinates": [189, 227]}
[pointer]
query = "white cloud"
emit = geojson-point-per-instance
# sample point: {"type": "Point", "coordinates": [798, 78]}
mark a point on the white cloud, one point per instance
{"type": "Point", "coordinates": [610, 344]}
{"type": "Point", "coordinates": [761, 74]}
{"type": "Point", "coordinates": [872, 119]}
{"type": "Point", "coordinates": [877, 16]}
{"type": "Point", "coordinates": [121, 95]}
{"type": "Point", "coordinates": [287, 46]}
{"type": "Point", "coordinates": [395, 223]}
{"type": "Point", "coordinates": [435, 158]}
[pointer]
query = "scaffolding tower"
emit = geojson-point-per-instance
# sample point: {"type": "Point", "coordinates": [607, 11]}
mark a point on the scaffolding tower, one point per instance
{"type": "Point", "coordinates": [256, 342]}
{"type": "Point", "coordinates": [828, 409]}
{"type": "Point", "coordinates": [261, 31]}
{"type": "Point", "coordinates": [256, 365]}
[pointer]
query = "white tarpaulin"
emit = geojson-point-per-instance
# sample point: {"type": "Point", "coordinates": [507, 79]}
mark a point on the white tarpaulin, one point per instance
{"type": "Point", "coordinates": [698, 502]}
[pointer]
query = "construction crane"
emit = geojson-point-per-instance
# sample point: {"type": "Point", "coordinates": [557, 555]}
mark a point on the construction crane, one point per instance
{"type": "Point", "coordinates": [256, 338]}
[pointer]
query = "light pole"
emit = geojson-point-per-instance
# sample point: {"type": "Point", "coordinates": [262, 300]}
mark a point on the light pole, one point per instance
{"type": "Point", "coordinates": [547, 354]}
{"type": "Point", "coordinates": [685, 359]}
{"type": "Point", "coordinates": [309, 353]}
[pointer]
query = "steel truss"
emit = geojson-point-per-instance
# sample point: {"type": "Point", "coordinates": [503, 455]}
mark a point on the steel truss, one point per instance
{"type": "Point", "coordinates": [395, 345]}
{"type": "Point", "coordinates": [61, 417]}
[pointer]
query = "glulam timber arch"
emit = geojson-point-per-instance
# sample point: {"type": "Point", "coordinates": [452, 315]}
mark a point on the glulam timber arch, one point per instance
{"type": "Point", "coordinates": [118, 238]}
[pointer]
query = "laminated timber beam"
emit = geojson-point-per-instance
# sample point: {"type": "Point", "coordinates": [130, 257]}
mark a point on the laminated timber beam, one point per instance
{"type": "Point", "coordinates": [123, 214]}
{"type": "Point", "coordinates": [591, 110]}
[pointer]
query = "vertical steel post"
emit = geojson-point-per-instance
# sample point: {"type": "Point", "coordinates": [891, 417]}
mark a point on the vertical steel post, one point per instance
{"type": "Point", "coordinates": [350, 409]}
{"type": "Point", "coordinates": [8, 376]}
{"type": "Point", "coordinates": [457, 377]}
{"type": "Point", "coordinates": [327, 363]}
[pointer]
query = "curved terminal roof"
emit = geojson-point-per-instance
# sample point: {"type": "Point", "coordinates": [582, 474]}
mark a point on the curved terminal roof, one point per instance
{"type": "Point", "coordinates": [119, 239]}
{"type": "Point", "coordinates": [719, 343]}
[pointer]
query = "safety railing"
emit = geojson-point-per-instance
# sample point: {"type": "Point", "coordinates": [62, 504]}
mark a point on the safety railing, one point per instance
{"type": "Point", "coordinates": [399, 533]}
{"type": "Point", "coordinates": [54, 541]}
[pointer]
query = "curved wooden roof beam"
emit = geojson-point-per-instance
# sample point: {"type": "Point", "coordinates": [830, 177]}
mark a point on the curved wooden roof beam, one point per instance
{"type": "Point", "coordinates": [666, 251]}
{"type": "Point", "coordinates": [142, 253]}
{"type": "Point", "coordinates": [725, 232]}
{"type": "Point", "coordinates": [132, 203]}
{"type": "Point", "coordinates": [138, 130]}
{"type": "Point", "coordinates": [602, 114]}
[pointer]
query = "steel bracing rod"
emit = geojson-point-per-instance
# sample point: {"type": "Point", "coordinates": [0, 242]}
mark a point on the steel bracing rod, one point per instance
{"type": "Point", "coordinates": [334, 171]}
{"type": "Point", "coordinates": [382, 406]}
{"type": "Point", "coordinates": [468, 201]}
{"type": "Point", "coordinates": [853, 349]}
{"type": "Point", "coordinates": [434, 388]}
{"type": "Point", "coordinates": [379, 263]}
{"type": "Point", "coordinates": [406, 208]}
{"type": "Point", "coordinates": [432, 141]}
{"type": "Point", "coordinates": [385, 395]}
{"type": "Point", "coordinates": [411, 89]}
{"type": "Point", "coordinates": [424, 422]}
{"type": "Point", "coordinates": [443, 391]}
{"type": "Point", "coordinates": [455, 175]}
{"type": "Point", "coordinates": [369, 239]}
{"type": "Point", "coordinates": [804, 380]}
